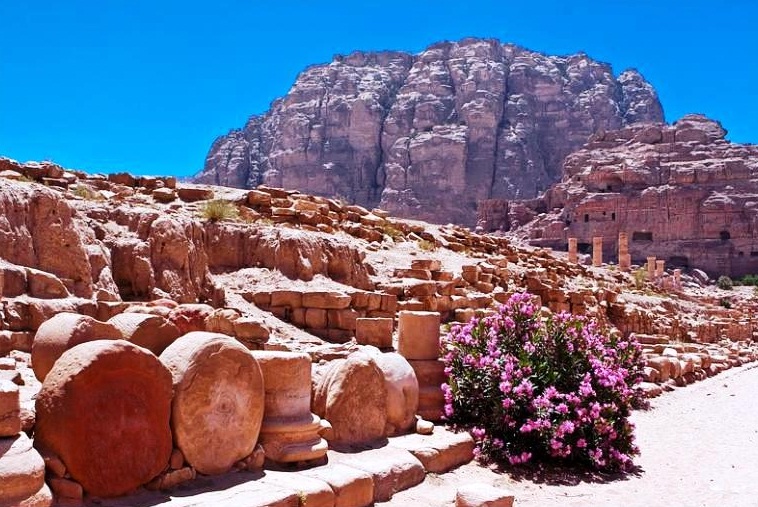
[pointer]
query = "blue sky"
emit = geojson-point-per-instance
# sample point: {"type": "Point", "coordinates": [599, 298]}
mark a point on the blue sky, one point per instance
{"type": "Point", "coordinates": [146, 85]}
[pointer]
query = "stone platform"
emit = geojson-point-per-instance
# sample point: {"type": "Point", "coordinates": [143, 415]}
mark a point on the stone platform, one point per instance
{"type": "Point", "coordinates": [349, 479]}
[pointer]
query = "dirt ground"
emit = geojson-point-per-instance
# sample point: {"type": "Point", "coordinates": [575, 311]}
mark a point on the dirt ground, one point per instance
{"type": "Point", "coordinates": [699, 448]}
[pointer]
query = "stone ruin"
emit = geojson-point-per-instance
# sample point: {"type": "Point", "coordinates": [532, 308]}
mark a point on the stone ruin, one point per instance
{"type": "Point", "coordinates": [171, 330]}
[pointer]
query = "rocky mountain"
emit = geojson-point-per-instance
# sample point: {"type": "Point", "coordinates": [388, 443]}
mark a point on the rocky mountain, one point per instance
{"type": "Point", "coordinates": [682, 193]}
{"type": "Point", "coordinates": [430, 135]}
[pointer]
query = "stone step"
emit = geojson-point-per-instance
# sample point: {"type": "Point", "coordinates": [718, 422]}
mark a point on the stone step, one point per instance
{"type": "Point", "coordinates": [349, 479]}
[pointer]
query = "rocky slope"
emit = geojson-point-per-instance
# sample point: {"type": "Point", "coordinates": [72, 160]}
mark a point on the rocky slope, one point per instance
{"type": "Point", "coordinates": [682, 193]}
{"type": "Point", "coordinates": [429, 135]}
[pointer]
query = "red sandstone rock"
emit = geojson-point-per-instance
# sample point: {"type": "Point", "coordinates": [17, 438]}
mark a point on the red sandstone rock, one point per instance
{"type": "Point", "coordinates": [218, 400]}
{"type": "Point", "coordinates": [352, 395]}
{"type": "Point", "coordinates": [104, 410]}
{"type": "Point", "coordinates": [22, 474]}
{"type": "Point", "coordinates": [150, 331]}
{"type": "Point", "coordinates": [190, 317]}
{"type": "Point", "coordinates": [62, 332]}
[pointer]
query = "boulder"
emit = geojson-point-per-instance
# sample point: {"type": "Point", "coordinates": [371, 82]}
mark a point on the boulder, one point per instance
{"type": "Point", "coordinates": [402, 390]}
{"type": "Point", "coordinates": [62, 332]}
{"type": "Point", "coordinates": [190, 317]}
{"type": "Point", "coordinates": [352, 395]}
{"type": "Point", "coordinates": [104, 409]}
{"type": "Point", "coordinates": [218, 403]}
{"type": "Point", "coordinates": [150, 331]}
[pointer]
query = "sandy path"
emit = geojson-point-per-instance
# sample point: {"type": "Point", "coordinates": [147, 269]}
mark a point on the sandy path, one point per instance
{"type": "Point", "coordinates": [699, 448]}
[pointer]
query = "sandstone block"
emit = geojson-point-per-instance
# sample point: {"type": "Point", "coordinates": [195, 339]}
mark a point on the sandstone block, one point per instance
{"type": "Point", "coordinates": [10, 409]}
{"type": "Point", "coordinates": [352, 487]}
{"type": "Point", "coordinates": [311, 492]}
{"type": "Point", "coordinates": [291, 298]}
{"type": "Point", "coordinates": [440, 451]}
{"type": "Point", "coordinates": [419, 335]}
{"type": "Point", "coordinates": [217, 408]}
{"type": "Point", "coordinates": [482, 495]}
{"type": "Point", "coordinates": [374, 331]}
{"type": "Point", "coordinates": [352, 396]}
{"type": "Point", "coordinates": [104, 410]}
{"type": "Point", "coordinates": [426, 264]}
{"type": "Point", "coordinates": [342, 319]}
{"type": "Point", "coordinates": [150, 331]}
{"type": "Point", "coordinates": [316, 318]}
{"type": "Point", "coordinates": [190, 317]}
{"type": "Point", "coordinates": [62, 332]}
{"type": "Point", "coordinates": [326, 300]}
{"type": "Point", "coordinates": [45, 285]}
{"type": "Point", "coordinates": [164, 195]}
{"type": "Point", "coordinates": [192, 194]}
{"type": "Point", "coordinates": [392, 469]}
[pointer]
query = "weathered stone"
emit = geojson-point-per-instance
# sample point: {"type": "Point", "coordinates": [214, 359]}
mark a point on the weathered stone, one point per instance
{"type": "Point", "coordinates": [374, 331]}
{"type": "Point", "coordinates": [150, 331]}
{"type": "Point", "coordinates": [218, 400]}
{"type": "Point", "coordinates": [290, 432]}
{"type": "Point", "coordinates": [22, 474]}
{"type": "Point", "coordinates": [10, 409]}
{"type": "Point", "coordinates": [483, 495]}
{"type": "Point", "coordinates": [352, 395]}
{"type": "Point", "coordinates": [418, 335]}
{"type": "Point", "coordinates": [402, 391]}
{"type": "Point", "coordinates": [352, 487]}
{"type": "Point", "coordinates": [62, 332]}
{"type": "Point", "coordinates": [104, 410]}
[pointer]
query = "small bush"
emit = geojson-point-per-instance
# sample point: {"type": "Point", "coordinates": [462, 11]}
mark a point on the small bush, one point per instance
{"type": "Point", "coordinates": [540, 389]}
{"type": "Point", "coordinates": [640, 276]}
{"type": "Point", "coordinates": [427, 246]}
{"type": "Point", "coordinates": [87, 193]}
{"type": "Point", "coordinates": [751, 280]}
{"type": "Point", "coordinates": [724, 283]}
{"type": "Point", "coordinates": [219, 209]}
{"type": "Point", "coordinates": [392, 231]}
{"type": "Point", "coordinates": [724, 302]}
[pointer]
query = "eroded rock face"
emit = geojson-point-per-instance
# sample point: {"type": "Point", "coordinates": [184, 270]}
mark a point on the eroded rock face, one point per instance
{"type": "Point", "coordinates": [104, 409]}
{"type": "Point", "coordinates": [467, 120]}
{"type": "Point", "coordinates": [39, 229]}
{"type": "Point", "coordinates": [682, 193]}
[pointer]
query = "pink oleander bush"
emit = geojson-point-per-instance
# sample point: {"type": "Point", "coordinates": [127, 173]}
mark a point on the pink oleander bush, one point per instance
{"type": "Point", "coordinates": [533, 388]}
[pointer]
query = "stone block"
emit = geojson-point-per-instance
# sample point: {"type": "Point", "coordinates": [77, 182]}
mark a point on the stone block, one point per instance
{"type": "Point", "coordinates": [440, 451]}
{"type": "Point", "coordinates": [291, 298]}
{"type": "Point", "coordinates": [419, 335]}
{"type": "Point", "coordinates": [483, 495]}
{"type": "Point", "coordinates": [392, 469]}
{"type": "Point", "coordinates": [326, 300]}
{"type": "Point", "coordinates": [342, 319]}
{"type": "Point", "coordinates": [374, 331]}
{"type": "Point", "coordinates": [10, 409]}
{"type": "Point", "coordinates": [352, 487]}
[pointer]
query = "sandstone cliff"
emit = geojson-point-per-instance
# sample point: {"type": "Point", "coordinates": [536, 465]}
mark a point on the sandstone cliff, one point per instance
{"type": "Point", "coordinates": [682, 193]}
{"type": "Point", "coordinates": [429, 135]}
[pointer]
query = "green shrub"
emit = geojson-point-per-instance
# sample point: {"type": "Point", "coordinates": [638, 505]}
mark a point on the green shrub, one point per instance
{"type": "Point", "coordinates": [219, 209]}
{"type": "Point", "coordinates": [427, 246]}
{"type": "Point", "coordinates": [724, 302]}
{"type": "Point", "coordinates": [532, 388]}
{"type": "Point", "coordinates": [751, 280]}
{"type": "Point", "coordinates": [724, 283]}
{"type": "Point", "coordinates": [640, 276]}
